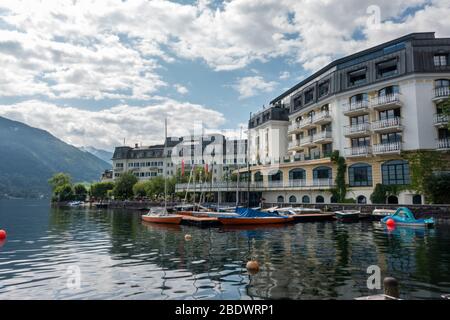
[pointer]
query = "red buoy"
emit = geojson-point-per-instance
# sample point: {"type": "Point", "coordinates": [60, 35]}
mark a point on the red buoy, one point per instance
{"type": "Point", "coordinates": [2, 234]}
{"type": "Point", "coordinates": [390, 222]}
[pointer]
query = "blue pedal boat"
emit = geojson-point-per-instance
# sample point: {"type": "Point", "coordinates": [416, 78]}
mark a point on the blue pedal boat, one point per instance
{"type": "Point", "coordinates": [404, 217]}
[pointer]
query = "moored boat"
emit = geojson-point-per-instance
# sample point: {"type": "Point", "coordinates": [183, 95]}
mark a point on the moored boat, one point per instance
{"type": "Point", "coordinates": [404, 217]}
{"type": "Point", "coordinates": [247, 216]}
{"type": "Point", "coordinates": [161, 216]}
{"type": "Point", "coordinates": [377, 214]}
{"type": "Point", "coordinates": [347, 215]}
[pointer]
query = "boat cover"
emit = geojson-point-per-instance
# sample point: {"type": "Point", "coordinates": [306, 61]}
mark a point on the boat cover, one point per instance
{"type": "Point", "coordinates": [404, 215]}
{"type": "Point", "coordinates": [250, 213]}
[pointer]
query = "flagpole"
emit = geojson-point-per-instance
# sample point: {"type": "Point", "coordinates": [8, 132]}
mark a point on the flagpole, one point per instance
{"type": "Point", "coordinates": [165, 172]}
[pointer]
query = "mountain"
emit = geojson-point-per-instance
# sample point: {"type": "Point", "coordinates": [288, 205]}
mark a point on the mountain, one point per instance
{"type": "Point", "coordinates": [99, 153]}
{"type": "Point", "coordinates": [30, 156]}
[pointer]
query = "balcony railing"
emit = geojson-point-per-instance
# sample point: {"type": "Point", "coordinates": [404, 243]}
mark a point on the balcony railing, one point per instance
{"type": "Point", "coordinates": [275, 184]}
{"type": "Point", "coordinates": [323, 182]}
{"type": "Point", "coordinates": [297, 183]}
{"type": "Point", "coordinates": [385, 100]}
{"type": "Point", "coordinates": [294, 126]}
{"type": "Point", "coordinates": [357, 151]}
{"type": "Point", "coordinates": [306, 122]}
{"type": "Point", "coordinates": [306, 141]}
{"type": "Point", "coordinates": [386, 124]}
{"type": "Point", "coordinates": [392, 147]}
{"type": "Point", "coordinates": [356, 107]}
{"type": "Point", "coordinates": [441, 92]}
{"type": "Point", "coordinates": [322, 136]}
{"type": "Point", "coordinates": [294, 144]}
{"type": "Point", "coordinates": [443, 144]}
{"type": "Point", "coordinates": [440, 119]}
{"type": "Point", "coordinates": [356, 129]}
{"type": "Point", "coordinates": [322, 117]}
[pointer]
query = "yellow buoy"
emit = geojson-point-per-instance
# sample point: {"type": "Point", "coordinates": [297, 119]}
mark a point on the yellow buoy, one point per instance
{"type": "Point", "coordinates": [188, 237]}
{"type": "Point", "coordinates": [252, 266]}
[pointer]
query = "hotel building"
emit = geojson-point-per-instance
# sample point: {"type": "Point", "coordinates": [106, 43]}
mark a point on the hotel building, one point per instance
{"type": "Point", "coordinates": [372, 106]}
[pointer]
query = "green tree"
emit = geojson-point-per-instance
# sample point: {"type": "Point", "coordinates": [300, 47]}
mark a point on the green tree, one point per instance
{"type": "Point", "coordinates": [123, 188]}
{"type": "Point", "coordinates": [59, 179]}
{"type": "Point", "coordinates": [64, 192]}
{"type": "Point", "coordinates": [100, 190]}
{"type": "Point", "coordinates": [140, 188]}
{"type": "Point", "coordinates": [80, 192]}
{"type": "Point", "coordinates": [437, 186]}
{"type": "Point", "coordinates": [340, 191]}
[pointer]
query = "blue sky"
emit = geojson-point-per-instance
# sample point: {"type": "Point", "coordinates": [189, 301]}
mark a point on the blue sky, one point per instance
{"type": "Point", "coordinates": [95, 72]}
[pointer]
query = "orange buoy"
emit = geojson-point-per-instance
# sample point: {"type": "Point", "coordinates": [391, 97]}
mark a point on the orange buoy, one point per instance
{"type": "Point", "coordinates": [188, 237]}
{"type": "Point", "coordinates": [252, 266]}
{"type": "Point", "coordinates": [2, 234]}
{"type": "Point", "coordinates": [390, 222]}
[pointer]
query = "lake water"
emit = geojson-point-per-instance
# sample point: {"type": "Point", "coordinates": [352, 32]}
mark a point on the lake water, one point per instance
{"type": "Point", "coordinates": [119, 257]}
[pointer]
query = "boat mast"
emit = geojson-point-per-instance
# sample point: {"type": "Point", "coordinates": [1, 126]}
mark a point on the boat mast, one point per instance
{"type": "Point", "coordinates": [239, 168]}
{"type": "Point", "coordinates": [248, 164]}
{"type": "Point", "coordinates": [165, 171]}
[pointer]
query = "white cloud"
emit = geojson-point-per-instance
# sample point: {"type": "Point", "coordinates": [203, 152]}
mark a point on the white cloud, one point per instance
{"type": "Point", "coordinates": [285, 75]}
{"type": "Point", "coordinates": [107, 128]}
{"type": "Point", "coordinates": [251, 86]}
{"type": "Point", "coordinates": [181, 89]}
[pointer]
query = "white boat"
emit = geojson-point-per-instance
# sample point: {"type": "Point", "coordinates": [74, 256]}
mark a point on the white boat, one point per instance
{"type": "Point", "coordinates": [381, 213]}
{"type": "Point", "coordinates": [347, 215]}
{"type": "Point", "coordinates": [75, 203]}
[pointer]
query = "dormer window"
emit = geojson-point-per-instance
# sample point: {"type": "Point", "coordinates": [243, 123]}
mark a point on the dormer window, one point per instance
{"type": "Point", "coordinates": [387, 68]}
{"type": "Point", "coordinates": [297, 102]}
{"type": "Point", "coordinates": [357, 77]}
{"type": "Point", "coordinates": [324, 88]}
{"type": "Point", "coordinates": [309, 96]}
{"type": "Point", "coordinates": [441, 60]}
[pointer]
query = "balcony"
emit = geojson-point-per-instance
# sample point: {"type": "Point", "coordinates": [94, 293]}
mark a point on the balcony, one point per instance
{"type": "Point", "coordinates": [307, 141]}
{"type": "Point", "coordinates": [441, 93]}
{"type": "Point", "coordinates": [387, 148]}
{"type": "Point", "coordinates": [294, 127]}
{"type": "Point", "coordinates": [294, 144]}
{"type": "Point", "coordinates": [323, 183]}
{"type": "Point", "coordinates": [443, 144]}
{"type": "Point", "coordinates": [297, 183]}
{"type": "Point", "coordinates": [384, 102]}
{"type": "Point", "coordinates": [387, 125]}
{"type": "Point", "coordinates": [357, 108]}
{"type": "Point", "coordinates": [440, 120]}
{"type": "Point", "coordinates": [275, 184]}
{"type": "Point", "coordinates": [322, 117]}
{"type": "Point", "coordinates": [355, 152]}
{"type": "Point", "coordinates": [357, 130]}
{"type": "Point", "coordinates": [323, 137]}
{"type": "Point", "coordinates": [307, 123]}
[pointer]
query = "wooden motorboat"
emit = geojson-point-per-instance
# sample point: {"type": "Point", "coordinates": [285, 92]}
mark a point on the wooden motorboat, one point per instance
{"type": "Point", "coordinates": [347, 215]}
{"type": "Point", "coordinates": [161, 216]}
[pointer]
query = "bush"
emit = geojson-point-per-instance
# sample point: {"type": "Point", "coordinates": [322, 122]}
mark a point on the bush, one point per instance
{"type": "Point", "coordinates": [80, 192]}
{"type": "Point", "coordinates": [100, 190]}
{"type": "Point", "coordinates": [64, 193]}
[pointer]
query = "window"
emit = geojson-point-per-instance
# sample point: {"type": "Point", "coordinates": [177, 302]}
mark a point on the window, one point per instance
{"type": "Point", "coordinates": [392, 137]}
{"type": "Point", "coordinates": [119, 165]}
{"type": "Point", "coordinates": [297, 174]}
{"type": "Point", "coordinates": [309, 96]}
{"type": "Point", "coordinates": [333, 199]}
{"type": "Point", "coordinates": [327, 149]}
{"type": "Point", "coordinates": [392, 200]}
{"type": "Point", "coordinates": [389, 114]}
{"type": "Point", "coordinates": [280, 199]}
{"type": "Point", "coordinates": [417, 199]}
{"type": "Point", "coordinates": [324, 88]}
{"type": "Point", "coordinates": [278, 176]}
{"type": "Point", "coordinates": [258, 177]}
{"type": "Point", "coordinates": [361, 199]}
{"type": "Point", "coordinates": [387, 68]}
{"type": "Point", "coordinates": [440, 60]}
{"type": "Point", "coordinates": [357, 77]}
{"type": "Point", "coordinates": [322, 173]}
{"type": "Point", "coordinates": [443, 133]}
{"type": "Point", "coordinates": [395, 172]}
{"type": "Point", "coordinates": [320, 199]}
{"type": "Point", "coordinates": [388, 91]}
{"type": "Point", "coordinates": [292, 199]}
{"type": "Point", "coordinates": [359, 98]}
{"type": "Point", "coordinates": [325, 108]}
{"type": "Point", "coordinates": [360, 142]}
{"type": "Point", "coordinates": [297, 102]}
{"type": "Point", "coordinates": [354, 121]}
{"type": "Point", "coordinates": [360, 174]}
{"type": "Point", "coordinates": [442, 83]}
{"type": "Point", "coordinates": [305, 199]}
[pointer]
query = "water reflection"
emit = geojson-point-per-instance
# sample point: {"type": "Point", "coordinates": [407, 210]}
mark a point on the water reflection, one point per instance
{"type": "Point", "coordinates": [122, 258]}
